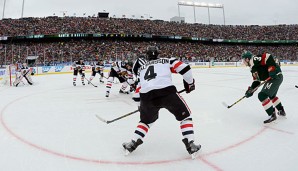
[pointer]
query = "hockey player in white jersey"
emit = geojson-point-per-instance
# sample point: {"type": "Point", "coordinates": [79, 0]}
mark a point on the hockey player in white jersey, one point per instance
{"type": "Point", "coordinates": [23, 71]}
{"type": "Point", "coordinates": [78, 67]}
{"type": "Point", "coordinates": [122, 71]}
{"type": "Point", "coordinates": [140, 61]}
{"type": "Point", "coordinates": [157, 91]}
{"type": "Point", "coordinates": [97, 68]}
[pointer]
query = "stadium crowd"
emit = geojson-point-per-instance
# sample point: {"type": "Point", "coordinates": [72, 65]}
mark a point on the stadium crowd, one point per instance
{"type": "Point", "coordinates": [111, 50]}
{"type": "Point", "coordinates": [52, 53]}
{"type": "Point", "coordinates": [56, 25]}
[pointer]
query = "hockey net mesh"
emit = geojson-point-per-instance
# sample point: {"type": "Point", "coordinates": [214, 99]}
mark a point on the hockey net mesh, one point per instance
{"type": "Point", "coordinates": [7, 74]}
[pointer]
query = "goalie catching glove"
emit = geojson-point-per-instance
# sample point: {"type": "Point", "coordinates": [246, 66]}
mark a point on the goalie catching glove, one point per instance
{"type": "Point", "coordinates": [189, 87]}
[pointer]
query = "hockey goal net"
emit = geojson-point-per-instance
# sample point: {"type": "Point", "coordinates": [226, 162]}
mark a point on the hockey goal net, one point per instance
{"type": "Point", "coordinates": [7, 74]}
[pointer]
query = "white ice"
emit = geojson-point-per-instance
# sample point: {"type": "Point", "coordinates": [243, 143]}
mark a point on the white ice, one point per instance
{"type": "Point", "coordinates": [51, 126]}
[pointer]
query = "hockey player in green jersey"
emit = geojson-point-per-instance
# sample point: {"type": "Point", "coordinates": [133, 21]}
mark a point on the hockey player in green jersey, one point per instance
{"type": "Point", "coordinates": [263, 67]}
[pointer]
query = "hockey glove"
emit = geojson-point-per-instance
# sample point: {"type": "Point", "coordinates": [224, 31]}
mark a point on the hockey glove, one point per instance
{"type": "Point", "coordinates": [122, 74]}
{"type": "Point", "coordinates": [189, 87]}
{"type": "Point", "coordinates": [249, 92]}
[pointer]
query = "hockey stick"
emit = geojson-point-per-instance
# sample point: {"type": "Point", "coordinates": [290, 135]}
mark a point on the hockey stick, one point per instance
{"type": "Point", "coordinates": [89, 82]}
{"type": "Point", "coordinates": [296, 86]}
{"type": "Point", "coordinates": [113, 120]}
{"type": "Point", "coordinates": [123, 116]}
{"type": "Point", "coordinates": [21, 77]}
{"type": "Point", "coordinates": [181, 91]}
{"type": "Point", "coordinates": [255, 89]}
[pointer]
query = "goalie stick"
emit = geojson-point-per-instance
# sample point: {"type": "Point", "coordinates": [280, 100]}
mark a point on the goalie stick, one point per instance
{"type": "Point", "coordinates": [19, 79]}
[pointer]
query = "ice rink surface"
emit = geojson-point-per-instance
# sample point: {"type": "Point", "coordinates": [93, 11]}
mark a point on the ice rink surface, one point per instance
{"type": "Point", "coordinates": [51, 126]}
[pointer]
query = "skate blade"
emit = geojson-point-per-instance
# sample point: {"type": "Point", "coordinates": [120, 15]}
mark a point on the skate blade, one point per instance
{"type": "Point", "coordinates": [194, 155]}
{"type": "Point", "coordinates": [126, 152]}
{"type": "Point", "coordinates": [282, 117]}
{"type": "Point", "coordinates": [271, 123]}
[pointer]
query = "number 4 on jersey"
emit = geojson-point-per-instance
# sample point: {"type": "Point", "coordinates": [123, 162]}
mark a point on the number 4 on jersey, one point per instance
{"type": "Point", "coordinates": [150, 74]}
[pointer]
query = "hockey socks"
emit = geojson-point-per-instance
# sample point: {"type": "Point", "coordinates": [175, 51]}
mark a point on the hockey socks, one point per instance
{"type": "Point", "coordinates": [186, 127]}
{"type": "Point", "coordinates": [141, 131]}
{"type": "Point", "coordinates": [268, 106]}
{"type": "Point", "coordinates": [276, 102]}
{"type": "Point", "coordinates": [139, 134]}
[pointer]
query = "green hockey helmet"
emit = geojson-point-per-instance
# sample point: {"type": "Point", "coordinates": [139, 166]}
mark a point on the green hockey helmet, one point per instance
{"type": "Point", "coordinates": [246, 54]}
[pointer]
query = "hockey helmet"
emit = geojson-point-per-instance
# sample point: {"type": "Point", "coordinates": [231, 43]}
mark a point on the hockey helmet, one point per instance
{"type": "Point", "coordinates": [129, 64]}
{"type": "Point", "coordinates": [152, 52]}
{"type": "Point", "coordinates": [246, 54]}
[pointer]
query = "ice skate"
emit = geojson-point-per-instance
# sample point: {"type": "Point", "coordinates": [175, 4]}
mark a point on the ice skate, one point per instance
{"type": "Point", "coordinates": [107, 94]}
{"type": "Point", "coordinates": [123, 92]}
{"type": "Point", "coordinates": [271, 118]}
{"type": "Point", "coordinates": [74, 83]}
{"type": "Point", "coordinates": [131, 89]}
{"type": "Point", "coordinates": [191, 147]}
{"type": "Point", "coordinates": [281, 112]}
{"type": "Point", "coordinates": [131, 146]}
{"type": "Point", "coordinates": [83, 83]}
{"type": "Point", "coordinates": [101, 81]}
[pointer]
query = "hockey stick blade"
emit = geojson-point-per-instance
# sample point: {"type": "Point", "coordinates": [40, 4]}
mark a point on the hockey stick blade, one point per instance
{"type": "Point", "coordinates": [89, 82]}
{"type": "Point", "coordinates": [225, 104]}
{"type": "Point", "coordinates": [296, 86]}
{"type": "Point", "coordinates": [116, 119]}
{"type": "Point", "coordinates": [101, 119]}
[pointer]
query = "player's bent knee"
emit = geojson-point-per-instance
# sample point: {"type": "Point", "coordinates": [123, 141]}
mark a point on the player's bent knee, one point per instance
{"type": "Point", "coordinates": [182, 116]}
{"type": "Point", "coordinates": [262, 96]}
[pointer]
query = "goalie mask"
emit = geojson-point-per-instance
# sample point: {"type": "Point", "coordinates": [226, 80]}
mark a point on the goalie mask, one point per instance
{"type": "Point", "coordinates": [152, 52]}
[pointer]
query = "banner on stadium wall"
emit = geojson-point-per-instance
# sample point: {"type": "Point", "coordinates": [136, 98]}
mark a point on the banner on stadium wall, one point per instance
{"type": "Point", "coordinates": [59, 68]}
{"type": "Point", "coordinates": [69, 69]}
{"type": "Point", "coordinates": [214, 64]}
{"type": "Point", "coordinates": [2, 72]}
{"type": "Point", "coordinates": [201, 64]}
{"type": "Point", "coordinates": [45, 69]}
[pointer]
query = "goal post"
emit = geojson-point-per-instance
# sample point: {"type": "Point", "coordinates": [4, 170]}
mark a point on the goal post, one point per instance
{"type": "Point", "coordinates": [7, 74]}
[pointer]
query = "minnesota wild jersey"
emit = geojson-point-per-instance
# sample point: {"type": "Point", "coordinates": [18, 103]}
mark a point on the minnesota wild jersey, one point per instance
{"type": "Point", "coordinates": [262, 66]}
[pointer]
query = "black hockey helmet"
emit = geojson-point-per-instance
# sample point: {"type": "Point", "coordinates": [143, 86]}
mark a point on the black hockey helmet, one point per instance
{"type": "Point", "coordinates": [128, 64]}
{"type": "Point", "coordinates": [152, 52]}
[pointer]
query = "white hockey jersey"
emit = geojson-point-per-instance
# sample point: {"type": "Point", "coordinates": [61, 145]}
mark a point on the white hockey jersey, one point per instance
{"type": "Point", "coordinates": [157, 74]}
